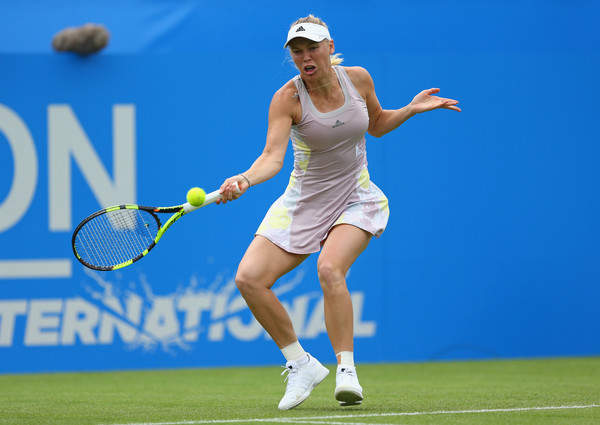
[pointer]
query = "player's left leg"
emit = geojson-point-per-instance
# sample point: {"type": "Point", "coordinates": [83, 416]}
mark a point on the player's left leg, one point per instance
{"type": "Point", "coordinates": [342, 247]}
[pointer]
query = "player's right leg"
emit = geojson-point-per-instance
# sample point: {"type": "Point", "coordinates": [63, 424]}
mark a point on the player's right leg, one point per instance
{"type": "Point", "coordinates": [264, 263]}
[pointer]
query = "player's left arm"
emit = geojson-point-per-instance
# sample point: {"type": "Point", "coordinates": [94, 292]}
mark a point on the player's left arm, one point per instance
{"type": "Point", "coordinates": [382, 121]}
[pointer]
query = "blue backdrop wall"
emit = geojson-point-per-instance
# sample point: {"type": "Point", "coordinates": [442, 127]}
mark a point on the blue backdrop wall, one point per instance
{"type": "Point", "coordinates": [492, 249]}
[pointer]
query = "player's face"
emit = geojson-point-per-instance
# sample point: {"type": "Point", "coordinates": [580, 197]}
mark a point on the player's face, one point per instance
{"type": "Point", "coordinates": [311, 57]}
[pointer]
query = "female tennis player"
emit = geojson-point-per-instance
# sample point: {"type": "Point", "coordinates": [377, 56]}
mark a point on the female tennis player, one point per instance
{"type": "Point", "coordinates": [330, 204]}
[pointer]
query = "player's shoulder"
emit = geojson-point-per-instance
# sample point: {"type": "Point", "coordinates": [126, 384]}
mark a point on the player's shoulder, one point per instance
{"type": "Point", "coordinates": [359, 76]}
{"type": "Point", "coordinates": [357, 71]}
{"type": "Point", "coordinates": [286, 102]}
{"type": "Point", "coordinates": [286, 94]}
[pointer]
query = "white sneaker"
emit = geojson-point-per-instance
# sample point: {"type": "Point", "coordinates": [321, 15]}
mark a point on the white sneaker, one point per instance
{"type": "Point", "coordinates": [301, 380]}
{"type": "Point", "coordinates": [347, 389]}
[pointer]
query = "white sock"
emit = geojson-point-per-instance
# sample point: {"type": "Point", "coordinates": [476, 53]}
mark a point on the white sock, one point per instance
{"type": "Point", "coordinates": [346, 358]}
{"type": "Point", "coordinates": [296, 353]}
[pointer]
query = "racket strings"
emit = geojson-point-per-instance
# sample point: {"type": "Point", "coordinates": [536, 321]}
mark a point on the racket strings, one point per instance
{"type": "Point", "coordinates": [116, 237]}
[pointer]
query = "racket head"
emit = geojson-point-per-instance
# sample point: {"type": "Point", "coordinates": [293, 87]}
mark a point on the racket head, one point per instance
{"type": "Point", "coordinates": [117, 236]}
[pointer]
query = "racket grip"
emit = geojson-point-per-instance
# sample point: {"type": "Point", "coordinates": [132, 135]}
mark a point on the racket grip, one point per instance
{"type": "Point", "coordinates": [211, 198]}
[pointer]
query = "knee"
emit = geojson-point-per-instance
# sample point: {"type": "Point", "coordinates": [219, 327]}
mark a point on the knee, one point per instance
{"type": "Point", "coordinates": [332, 278]}
{"type": "Point", "coordinates": [248, 282]}
{"type": "Point", "coordinates": [244, 282]}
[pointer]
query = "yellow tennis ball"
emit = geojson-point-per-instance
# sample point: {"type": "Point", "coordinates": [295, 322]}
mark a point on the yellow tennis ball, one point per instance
{"type": "Point", "coordinates": [196, 196]}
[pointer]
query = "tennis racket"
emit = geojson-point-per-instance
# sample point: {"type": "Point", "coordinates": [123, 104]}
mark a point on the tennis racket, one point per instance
{"type": "Point", "coordinates": [118, 236]}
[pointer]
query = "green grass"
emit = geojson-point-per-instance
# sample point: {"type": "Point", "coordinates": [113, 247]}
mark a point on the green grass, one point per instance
{"type": "Point", "coordinates": [253, 393]}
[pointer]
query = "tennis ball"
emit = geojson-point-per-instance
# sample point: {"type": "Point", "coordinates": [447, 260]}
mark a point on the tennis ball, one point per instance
{"type": "Point", "coordinates": [196, 196]}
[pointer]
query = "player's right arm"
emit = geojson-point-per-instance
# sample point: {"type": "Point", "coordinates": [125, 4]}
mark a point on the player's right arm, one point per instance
{"type": "Point", "coordinates": [282, 113]}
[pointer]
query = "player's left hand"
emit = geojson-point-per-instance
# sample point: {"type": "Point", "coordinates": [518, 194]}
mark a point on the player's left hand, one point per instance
{"type": "Point", "coordinates": [425, 101]}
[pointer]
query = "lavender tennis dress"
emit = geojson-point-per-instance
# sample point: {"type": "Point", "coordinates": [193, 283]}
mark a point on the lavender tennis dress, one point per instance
{"type": "Point", "coordinates": [330, 183]}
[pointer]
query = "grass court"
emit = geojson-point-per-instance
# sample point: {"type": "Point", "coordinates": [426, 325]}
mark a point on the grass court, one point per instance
{"type": "Point", "coordinates": [533, 391]}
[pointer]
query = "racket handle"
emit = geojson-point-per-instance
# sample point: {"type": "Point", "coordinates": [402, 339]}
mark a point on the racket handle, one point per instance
{"type": "Point", "coordinates": [211, 198]}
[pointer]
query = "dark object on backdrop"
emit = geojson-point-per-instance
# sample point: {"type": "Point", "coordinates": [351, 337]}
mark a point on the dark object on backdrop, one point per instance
{"type": "Point", "coordinates": [86, 39]}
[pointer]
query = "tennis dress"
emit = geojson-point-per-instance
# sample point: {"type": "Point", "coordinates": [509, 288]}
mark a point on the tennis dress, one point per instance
{"type": "Point", "coordinates": [330, 183]}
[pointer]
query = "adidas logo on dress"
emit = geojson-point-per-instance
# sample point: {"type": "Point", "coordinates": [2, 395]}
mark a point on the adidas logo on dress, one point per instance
{"type": "Point", "coordinates": [338, 123]}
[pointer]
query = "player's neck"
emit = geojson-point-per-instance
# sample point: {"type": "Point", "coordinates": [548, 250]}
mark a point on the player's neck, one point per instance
{"type": "Point", "coordinates": [323, 85]}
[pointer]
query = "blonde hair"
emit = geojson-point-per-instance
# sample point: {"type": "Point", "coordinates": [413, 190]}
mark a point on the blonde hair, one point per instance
{"type": "Point", "coordinates": [311, 19]}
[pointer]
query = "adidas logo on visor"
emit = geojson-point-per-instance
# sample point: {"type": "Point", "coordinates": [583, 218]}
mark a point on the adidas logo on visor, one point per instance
{"type": "Point", "coordinates": [300, 29]}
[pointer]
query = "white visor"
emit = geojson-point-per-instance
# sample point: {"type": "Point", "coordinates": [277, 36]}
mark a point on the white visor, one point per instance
{"type": "Point", "coordinates": [314, 32]}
